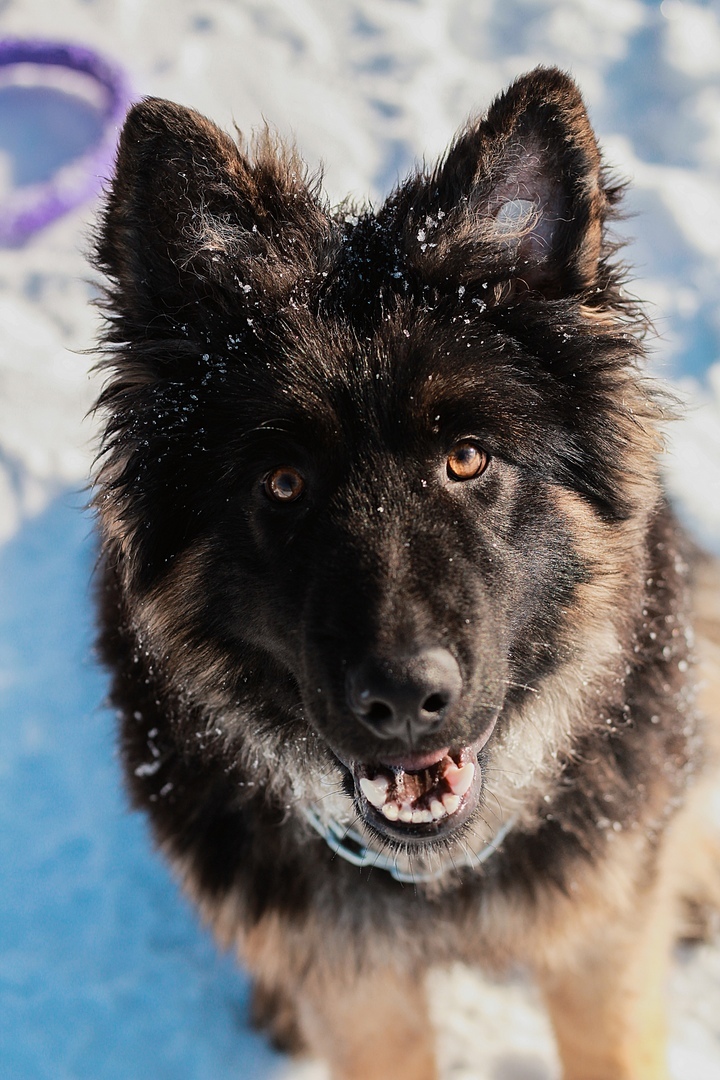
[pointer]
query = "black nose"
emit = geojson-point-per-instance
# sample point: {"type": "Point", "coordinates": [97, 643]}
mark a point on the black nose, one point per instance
{"type": "Point", "coordinates": [406, 697]}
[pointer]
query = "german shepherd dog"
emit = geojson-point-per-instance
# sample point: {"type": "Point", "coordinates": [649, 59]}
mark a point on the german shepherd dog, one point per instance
{"type": "Point", "coordinates": [395, 609]}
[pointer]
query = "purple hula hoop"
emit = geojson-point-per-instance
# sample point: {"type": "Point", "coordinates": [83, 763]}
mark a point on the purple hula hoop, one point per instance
{"type": "Point", "coordinates": [32, 207]}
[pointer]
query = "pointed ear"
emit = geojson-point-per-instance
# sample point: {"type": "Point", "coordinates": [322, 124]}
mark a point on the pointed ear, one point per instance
{"type": "Point", "coordinates": [191, 218]}
{"type": "Point", "coordinates": [523, 189]}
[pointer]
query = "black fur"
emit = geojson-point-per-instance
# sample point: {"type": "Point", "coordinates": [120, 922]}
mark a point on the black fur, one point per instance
{"type": "Point", "coordinates": [251, 328]}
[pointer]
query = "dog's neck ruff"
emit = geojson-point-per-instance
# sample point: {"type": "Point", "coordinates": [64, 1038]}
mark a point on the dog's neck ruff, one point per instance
{"type": "Point", "coordinates": [356, 849]}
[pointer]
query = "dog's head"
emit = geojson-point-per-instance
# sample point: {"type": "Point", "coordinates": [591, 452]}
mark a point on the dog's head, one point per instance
{"type": "Point", "coordinates": [362, 472]}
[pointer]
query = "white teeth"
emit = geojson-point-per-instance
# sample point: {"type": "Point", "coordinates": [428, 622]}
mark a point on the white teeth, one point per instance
{"type": "Point", "coordinates": [374, 791]}
{"type": "Point", "coordinates": [460, 779]}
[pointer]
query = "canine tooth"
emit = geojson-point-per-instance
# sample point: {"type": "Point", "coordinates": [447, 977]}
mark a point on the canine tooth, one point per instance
{"type": "Point", "coordinates": [406, 814]}
{"type": "Point", "coordinates": [437, 810]}
{"type": "Point", "coordinates": [375, 791]}
{"type": "Point", "coordinates": [460, 779]}
{"type": "Point", "coordinates": [391, 811]}
{"type": "Point", "coordinates": [451, 803]}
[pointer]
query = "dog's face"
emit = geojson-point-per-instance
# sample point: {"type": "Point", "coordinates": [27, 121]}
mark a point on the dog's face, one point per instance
{"type": "Point", "coordinates": [349, 459]}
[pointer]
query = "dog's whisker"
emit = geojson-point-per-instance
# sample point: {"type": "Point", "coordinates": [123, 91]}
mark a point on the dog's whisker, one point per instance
{"type": "Point", "coordinates": [498, 812]}
{"type": "Point", "coordinates": [521, 686]}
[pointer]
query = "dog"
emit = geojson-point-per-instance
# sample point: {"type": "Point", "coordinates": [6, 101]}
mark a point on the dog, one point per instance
{"type": "Point", "coordinates": [396, 612]}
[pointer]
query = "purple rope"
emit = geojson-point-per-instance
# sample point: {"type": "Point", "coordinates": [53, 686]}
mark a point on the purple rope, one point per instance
{"type": "Point", "coordinates": [31, 208]}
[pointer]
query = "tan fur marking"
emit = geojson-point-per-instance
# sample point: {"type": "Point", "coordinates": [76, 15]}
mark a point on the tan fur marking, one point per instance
{"type": "Point", "coordinates": [706, 602]}
{"type": "Point", "coordinates": [553, 717]}
{"type": "Point", "coordinates": [608, 1004]}
{"type": "Point", "coordinates": [608, 1011]}
{"type": "Point", "coordinates": [377, 1027]}
{"type": "Point", "coordinates": [348, 1014]}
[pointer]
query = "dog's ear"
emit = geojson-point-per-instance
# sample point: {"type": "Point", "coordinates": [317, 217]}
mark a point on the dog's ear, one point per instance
{"type": "Point", "coordinates": [191, 217]}
{"type": "Point", "coordinates": [524, 186]}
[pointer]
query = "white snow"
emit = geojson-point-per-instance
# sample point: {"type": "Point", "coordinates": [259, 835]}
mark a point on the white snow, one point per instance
{"type": "Point", "coordinates": [104, 972]}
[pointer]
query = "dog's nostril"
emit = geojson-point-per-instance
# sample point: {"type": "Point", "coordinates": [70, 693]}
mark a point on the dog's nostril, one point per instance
{"type": "Point", "coordinates": [435, 703]}
{"type": "Point", "coordinates": [378, 712]}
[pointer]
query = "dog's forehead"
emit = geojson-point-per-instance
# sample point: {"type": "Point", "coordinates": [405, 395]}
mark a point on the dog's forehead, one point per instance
{"type": "Point", "coordinates": [404, 361]}
{"type": "Point", "coordinates": [414, 377]}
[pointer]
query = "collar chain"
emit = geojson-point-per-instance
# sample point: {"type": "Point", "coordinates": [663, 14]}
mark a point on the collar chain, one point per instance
{"type": "Point", "coordinates": [355, 849]}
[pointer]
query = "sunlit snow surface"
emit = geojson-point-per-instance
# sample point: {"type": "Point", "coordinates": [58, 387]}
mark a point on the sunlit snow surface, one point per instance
{"type": "Point", "coordinates": [104, 972]}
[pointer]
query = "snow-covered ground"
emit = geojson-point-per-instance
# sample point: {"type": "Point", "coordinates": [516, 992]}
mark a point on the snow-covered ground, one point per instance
{"type": "Point", "coordinates": [104, 973]}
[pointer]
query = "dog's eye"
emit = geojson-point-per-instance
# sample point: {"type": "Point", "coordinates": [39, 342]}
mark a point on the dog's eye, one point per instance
{"type": "Point", "coordinates": [284, 485]}
{"type": "Point", "coordinates": [466, 460]}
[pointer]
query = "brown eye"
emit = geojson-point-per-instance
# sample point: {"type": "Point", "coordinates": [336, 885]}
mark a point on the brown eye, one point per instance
{"type": "Point", "coordinates": [284, 485]}
{"type": "Point", "coordinates": [465, 461]}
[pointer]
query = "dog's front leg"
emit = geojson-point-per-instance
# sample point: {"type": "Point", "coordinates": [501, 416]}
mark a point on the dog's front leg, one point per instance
{"type": "Point", "coordinates": [608, 1007]}
{"type": "Point", "coordinates": [370, 1026]}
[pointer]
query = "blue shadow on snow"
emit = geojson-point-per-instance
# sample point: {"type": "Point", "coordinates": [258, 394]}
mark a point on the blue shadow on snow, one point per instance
{"type": "Point", "coordinates": [105, 973]}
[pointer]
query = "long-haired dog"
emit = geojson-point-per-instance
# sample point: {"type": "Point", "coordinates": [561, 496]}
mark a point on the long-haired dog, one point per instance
{"type": "Point", "coordinates": [395, 609]}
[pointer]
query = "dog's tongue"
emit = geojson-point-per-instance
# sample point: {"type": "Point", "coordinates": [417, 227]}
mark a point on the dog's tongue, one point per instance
{"type": "Point", "coordinates": [418, 789]}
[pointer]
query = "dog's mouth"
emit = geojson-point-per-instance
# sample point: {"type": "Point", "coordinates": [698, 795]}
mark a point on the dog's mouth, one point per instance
{"type": "Point", "coordinates": [420, 796]}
